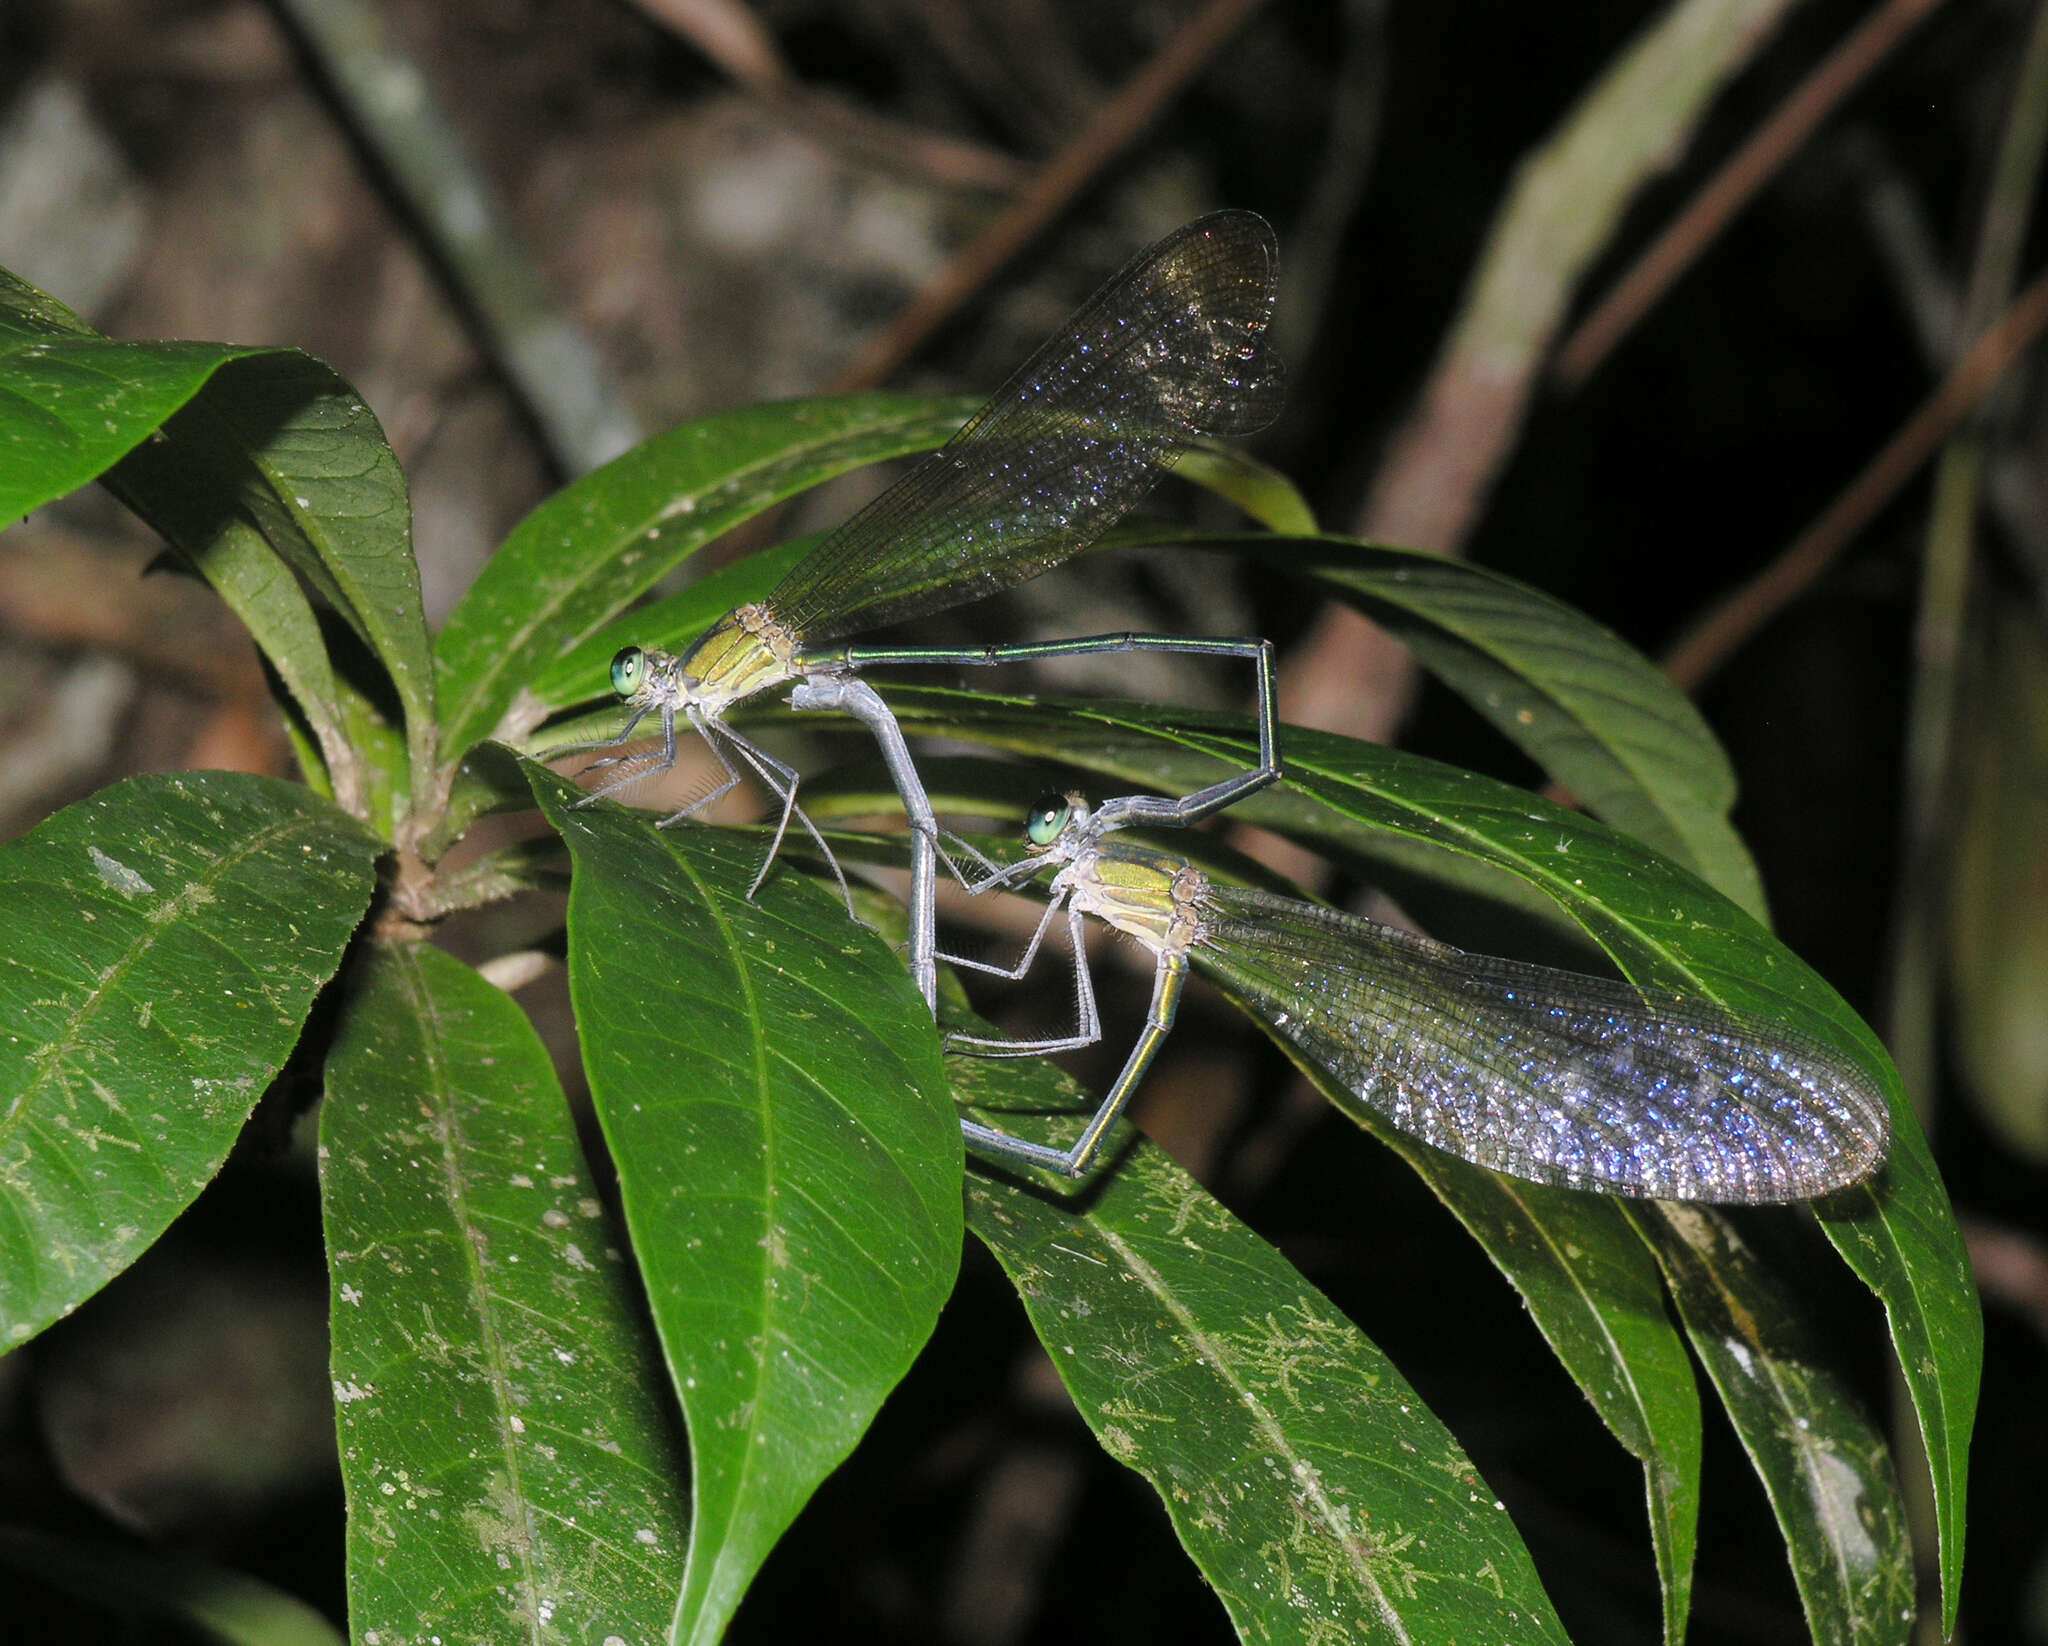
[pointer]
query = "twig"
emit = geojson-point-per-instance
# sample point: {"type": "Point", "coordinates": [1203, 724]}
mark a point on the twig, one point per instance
{"type": "Point", "coordinates": [730, 35]}
{"type": "Point", "coordinates": [1751, 166]}
{"type": "Point", "coordinates": [548, 361]}
{"type": "Point", "coordinates": [1932, 298]}
{"type": "Point", "coordinates": [994, 76]}
{"type": "Point", "coordinates": [1908, 249]}
{"type": "Point", "coordinates": [2011, 1268]}
{"type": "Point", "coordinates": [951, 161]}
{"type": "Point", "coordinates": [736, 40]}
{"type": "Point", "coordinates": [1709, 644]}
{"type": "Point", "coordinates": [1133, 107]}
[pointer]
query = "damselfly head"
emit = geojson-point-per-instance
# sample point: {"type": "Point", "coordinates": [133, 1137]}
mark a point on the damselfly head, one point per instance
{"type": "Point", "coordinates": [1042, 824]}
{"type": "Point", "coordinates": [629, 669]}
{"type": "Point", "coordinates": [1051, 817]}
{"type": "Point", "coordinates": [645, 678]}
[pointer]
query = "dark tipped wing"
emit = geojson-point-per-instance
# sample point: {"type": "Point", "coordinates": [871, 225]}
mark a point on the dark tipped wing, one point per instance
{"type": "Point", "coordinates": [1173, 348]}
{"type": "Point", "coordinates": [1547, 1074]}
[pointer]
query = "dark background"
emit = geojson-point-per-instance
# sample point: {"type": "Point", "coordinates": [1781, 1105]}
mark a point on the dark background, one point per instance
{"type": "Point", "coordinates": [715, 245]}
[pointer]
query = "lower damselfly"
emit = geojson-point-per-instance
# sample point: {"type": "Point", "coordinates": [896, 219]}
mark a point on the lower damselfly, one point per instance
{"type": "Point", "coordinates": [1580, 1081]}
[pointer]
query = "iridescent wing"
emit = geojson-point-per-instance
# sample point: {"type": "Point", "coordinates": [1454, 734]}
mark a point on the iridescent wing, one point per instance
{"type": "Point", "coordinates": [1172, 349]}
{"type": "Point", "coordinates": [1545, 1074]}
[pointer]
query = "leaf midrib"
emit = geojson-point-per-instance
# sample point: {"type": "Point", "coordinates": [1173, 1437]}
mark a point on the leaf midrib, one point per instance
{"type": "Point", "coordinates": [427, 1013]}
{"type": "Point", "coordinates": [1218, 1354]}
{"type": "Point", "coordinates": [696, 1581]}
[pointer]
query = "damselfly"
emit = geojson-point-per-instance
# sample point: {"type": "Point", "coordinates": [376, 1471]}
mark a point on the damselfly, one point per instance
{"type": "Point", "coordinates": [1171, 350]}
{"type": "Point", "coordinates": [1552, 1075]}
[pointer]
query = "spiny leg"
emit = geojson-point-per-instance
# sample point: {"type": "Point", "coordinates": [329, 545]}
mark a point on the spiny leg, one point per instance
{"type": "Point", "coordinates": [625, 733]}
{"type": "Point", "coordinates": [1168, 982]}
{"type": "Point", "coordinates": [982, 860]}
{"type": "Point", "coordinates": [1088, 1018]}
{"type": "Point", "coordinates": [1016, 973]}
{"type": "Point", "coordinates": [781, 780]}
{"type": "Point", "coordinates": [707, 729]}
{"type": "Point", "coordinates": [635, 767]}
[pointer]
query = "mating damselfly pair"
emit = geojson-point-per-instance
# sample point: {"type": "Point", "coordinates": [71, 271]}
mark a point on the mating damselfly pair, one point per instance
{"type": "Point", "coordinates": [1544, 1074]}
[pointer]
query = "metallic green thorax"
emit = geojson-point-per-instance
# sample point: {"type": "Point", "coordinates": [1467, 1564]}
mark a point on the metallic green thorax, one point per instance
{"type": "Point", "coordinates": [744, 652]}
{"type": "Point", "coordinates": [1150, 895]}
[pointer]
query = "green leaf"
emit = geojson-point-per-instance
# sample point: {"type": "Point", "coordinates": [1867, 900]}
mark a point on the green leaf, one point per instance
{"type": "Point", "coordinates": [1309, 1483]}
{"type": "Point", "coordinates": [542, 622]}
{"type": "Point", "coordinates": [1825, 1467]}
{"type": "Point", "coordinates": [73, 402]}
{"type": "Point", "coordinates": [1594, 713]}
{"type": "Point", "coordinates": [771, 1088]}
{"type": "Point", "coordinates": [315, 476]}
{"type": "Point", "coordinates": [132, 1594]}
{"type": "Point", "coordinates": [511, 1471]}
{"type": "Point", "coordinates": [578, 559]}
{"type": "Point", "coordinates": [256, 451]}
{"type": "Point", "coordinates": [163, 944]}
{"type": "Point", "coordinates": [281, 458]}
{"type": "Point", "coordinates": [1997, 873]}
{"type": "Point", "coordinates": [1264, 493]}
{"type": "Point", "coordinates": [1661, 926]}
{"type": "Point", "coordinates": [1899, 1235]}
{"type": "Point", "coordinates": [28, 312]}
{"type": "Point", "coordinates": [1595, 1293]}
{"type": "Point", "coordinates": [186, 490]}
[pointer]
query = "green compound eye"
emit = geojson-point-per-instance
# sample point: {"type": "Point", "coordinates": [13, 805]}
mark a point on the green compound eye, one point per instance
{"type": "Point", "coordinates": [1045, 820]}
{"type": "Point", "coordinates": [626, 669]}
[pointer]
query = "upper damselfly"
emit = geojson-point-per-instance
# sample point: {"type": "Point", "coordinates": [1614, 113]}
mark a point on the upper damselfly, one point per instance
{"type": "Point", "coordinates": [1172, 350]}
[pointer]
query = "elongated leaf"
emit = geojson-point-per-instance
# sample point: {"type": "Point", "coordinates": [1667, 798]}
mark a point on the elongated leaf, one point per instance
{"type": "Point", "coordinates": [579, 558]}
{"type": "Point", "coordinates": [1997, 901]}
{"type": "Point", "coordinates": [1899, 1234]}
{"type": "Point", "coordinates": [30, 312]}
{"type": "Point", "coordinates": [771, 1088]}
{"type": "Point", "coordinates": [1661, 924]}
{"type": "Point", "coordinates": [273, 454]}
{"type": "Point", "coordinates": [1663, 928]}
{"type": "Point", "coordinates": [314, 475]}
{"type": "Point", "coordinates": [1263, 492]}
{"type": "Point", "coordinates": [72, 402]}
{"type": "Point", "coordinates": [1307, 1480]}
{"type": "Point", "coordinates": [1595, 1293]}
{"type": "Point", "coordinates": [163, 943]}
{"type": "Point", "coordinates": [131, 1595]}
{"type": "Point", "coordinates": [512, 1473]}
{"type": "Point", "coordinates": [187, 490]}
{"type": "Point", "coordinates": [1825, 1467]}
